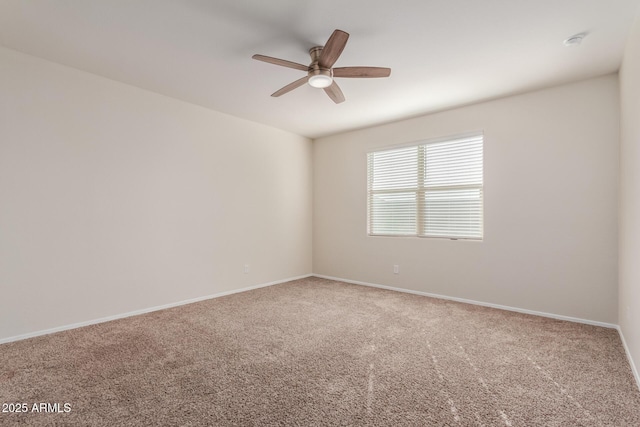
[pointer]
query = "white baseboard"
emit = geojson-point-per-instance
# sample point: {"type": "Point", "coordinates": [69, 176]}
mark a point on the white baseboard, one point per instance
{"type": "Point", "coordinates": [634, 370]}
{"type": "Point", "coordinates": [144, 310]}
{"type": "Point", "coordinates": [468, 301]}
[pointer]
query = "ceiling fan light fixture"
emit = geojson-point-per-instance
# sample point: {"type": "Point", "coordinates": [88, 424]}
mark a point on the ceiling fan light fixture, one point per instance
{"type": "Point", "coordinates": [320, 81]}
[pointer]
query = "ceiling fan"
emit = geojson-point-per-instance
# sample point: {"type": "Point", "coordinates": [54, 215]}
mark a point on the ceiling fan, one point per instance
{"type": "Point", "coordinates": [320, 73]}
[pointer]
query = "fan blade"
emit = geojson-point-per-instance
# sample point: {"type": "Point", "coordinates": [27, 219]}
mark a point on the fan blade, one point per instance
{"type": "Point", "coordinates": [281, 62]}
{"type": "Point", "coordinates": [366, 72]}
{"type": "Point", "coordinates": [335, 93]}
{"type": "Point", "coordinates": [291, 86]}
{"type": "Point", "coordinates": [332, 50]}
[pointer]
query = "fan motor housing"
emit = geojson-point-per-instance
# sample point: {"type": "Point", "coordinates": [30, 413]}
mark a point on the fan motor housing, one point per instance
{"type": "Point", "coordinates": [314, 67]}
{"type": "Point", "coordinates": [315, 52]}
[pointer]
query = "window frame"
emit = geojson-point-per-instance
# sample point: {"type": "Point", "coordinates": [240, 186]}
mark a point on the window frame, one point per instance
{"type": "Point", "coordinates": [420, 190]}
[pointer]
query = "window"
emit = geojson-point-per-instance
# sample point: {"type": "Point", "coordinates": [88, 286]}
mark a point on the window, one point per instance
{"type": "Point", "coordinates": [429, 190]}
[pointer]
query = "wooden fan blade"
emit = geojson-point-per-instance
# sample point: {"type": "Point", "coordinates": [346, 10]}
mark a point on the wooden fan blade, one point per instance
{"type": "Point", "coordinates": [335, 93]}
{"type": "Point", "coordinates": [281, 62]}
{"type": "Point", "coordinates": [332, 50]}
{"type": "Point", "coordinates": [291, 86]}
{"type": "Point", "coordinates": [365, 72]}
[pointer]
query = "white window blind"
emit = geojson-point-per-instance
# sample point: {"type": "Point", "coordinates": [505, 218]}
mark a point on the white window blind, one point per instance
{"type": "Point", "coordinates": [428, 190]}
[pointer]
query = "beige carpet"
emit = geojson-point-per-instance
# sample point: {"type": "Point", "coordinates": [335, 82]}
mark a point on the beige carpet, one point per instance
{"type": "Point", "coordinates": [319, 352]}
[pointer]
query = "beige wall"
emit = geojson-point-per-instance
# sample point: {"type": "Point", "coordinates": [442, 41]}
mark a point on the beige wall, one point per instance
{"type": "Point", "coordinates": [551, 179]}
{"type": "Point", "coordinates": [115, 199]}
{"type": "Point", "coordinates": [629, 291]}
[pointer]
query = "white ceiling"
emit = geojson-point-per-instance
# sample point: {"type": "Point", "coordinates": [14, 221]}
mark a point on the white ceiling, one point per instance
{"type": "Point", "coordinates": [443, 53]}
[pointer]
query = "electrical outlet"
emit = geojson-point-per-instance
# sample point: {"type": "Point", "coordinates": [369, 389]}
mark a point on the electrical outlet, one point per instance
{"type": "Point", "coordinates": [246, 269]}
{"type": "Point", "coordinates": [396, 269]}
